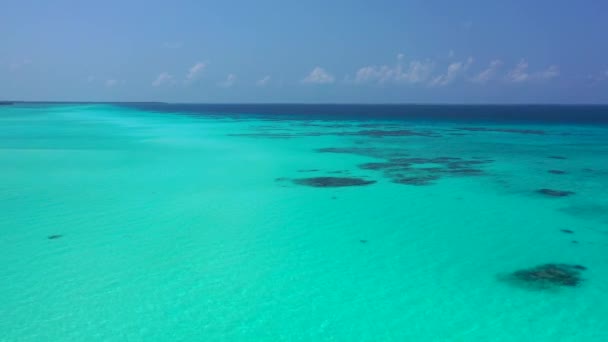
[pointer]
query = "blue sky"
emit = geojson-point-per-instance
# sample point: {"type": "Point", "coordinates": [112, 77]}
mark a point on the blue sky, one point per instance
{"type": "Point", "coordinates": [429, 51]}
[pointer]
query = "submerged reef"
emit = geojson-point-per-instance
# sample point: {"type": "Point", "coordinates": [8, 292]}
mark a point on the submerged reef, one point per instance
{"type": "Point", "coordinates": [423, 171]}
{"type": "Point", "coordinates": [400, 167]}
{"type": "Point", "coordinates": [555, 193]}
{"type": "Point", "coordinates": [557, 172]}
{"type": "Point", "coordinates": [324, 125]}
{"type": "Point", "coordinates": [502, 130]}
{"type": "Point", "coordinates": [279, 133]}
{"type": "Point", "coordinates": [421, 180]}
{"type": "Point", "coordinates": [378, 166]}
{"type": "Point", "coordinates": [379, 133]}
{"type": "Point", "coordinates": [332, 182]}
{"type": "Point", "coordinates": [547, 276]}
{"type": "Point", "coordinates": [362, 151]}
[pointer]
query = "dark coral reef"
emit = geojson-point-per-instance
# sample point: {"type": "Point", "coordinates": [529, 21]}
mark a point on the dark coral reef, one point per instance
{"type": "Point", "coordinates": [332, 182]}
{"type": "Point", "coordinates": [547, 276]}
{"type": "Point", "coordinates": [554, 193]}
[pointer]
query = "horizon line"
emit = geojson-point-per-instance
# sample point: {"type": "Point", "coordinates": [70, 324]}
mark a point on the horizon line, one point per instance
{"type": "Point", "coordinates": [313, 103]}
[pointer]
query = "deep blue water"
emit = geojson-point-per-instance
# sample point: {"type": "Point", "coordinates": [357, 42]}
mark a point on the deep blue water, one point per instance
{"type": "Point", "coordinates": [512, 114]}
{"type": "Point", "coordinates": [492, 114]}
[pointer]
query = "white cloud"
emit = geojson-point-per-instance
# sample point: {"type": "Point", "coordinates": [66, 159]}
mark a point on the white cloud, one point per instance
{"type": "Point", "coordinates": [419, 71]}
{"type": "Point", "coordinates": [263, 81]}
{"type": "Point", "coordinates": [454, 70]}
{"type": "Point", "coordinates": [318, 76]}
{"type": "Point", "coordinates": [415, 72]}
{"type": "Point", "coordinates": [551, 72]}
{"type": "Point", "coordinates": [489, 73]}
{"type": "Point", "coordinates": [195, 71]}
{"type": "Point", "coordinates": [521, 74]}
{"type": "Point", "coordinates": [163, 78]}
{"type": "Point", "coordinates": [373, 73]}
{"type": "Point", "coordinates": [228, 82]}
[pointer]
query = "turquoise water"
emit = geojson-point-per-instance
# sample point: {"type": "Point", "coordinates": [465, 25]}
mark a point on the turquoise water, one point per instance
{"type": "Point", "coordinates": [120, 224]}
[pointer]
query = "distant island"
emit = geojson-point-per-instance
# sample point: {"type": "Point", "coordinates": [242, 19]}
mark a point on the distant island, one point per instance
{"type": "Point", "coordinates": [6, 103]}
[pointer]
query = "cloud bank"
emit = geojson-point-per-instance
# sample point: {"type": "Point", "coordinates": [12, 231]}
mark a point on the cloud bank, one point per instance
{"type": "Point", "coordinates": [520, 73]}
{"type": "Point", "coordinates": [318, 75]}
{"type": "Point", "coordinates": [195, 71]}
{"type": "Point", "coordinates": [489, 73]}
{"type": "Point", "coordinates": [162, 79]}
{"type": "Point", "coordinates": [423, 72]}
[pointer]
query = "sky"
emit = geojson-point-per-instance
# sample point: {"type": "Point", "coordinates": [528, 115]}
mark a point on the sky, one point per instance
{"type": "Point", "coordinates": [467, 51]}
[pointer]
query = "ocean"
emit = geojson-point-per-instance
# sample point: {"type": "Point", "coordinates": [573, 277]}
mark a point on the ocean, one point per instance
{"type": "Point", "coordinates": [184, 222]}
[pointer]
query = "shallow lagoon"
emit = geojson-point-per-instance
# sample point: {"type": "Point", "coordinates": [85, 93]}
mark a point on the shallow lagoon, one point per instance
{"type": "Point", "coordinates": [141, 223]}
